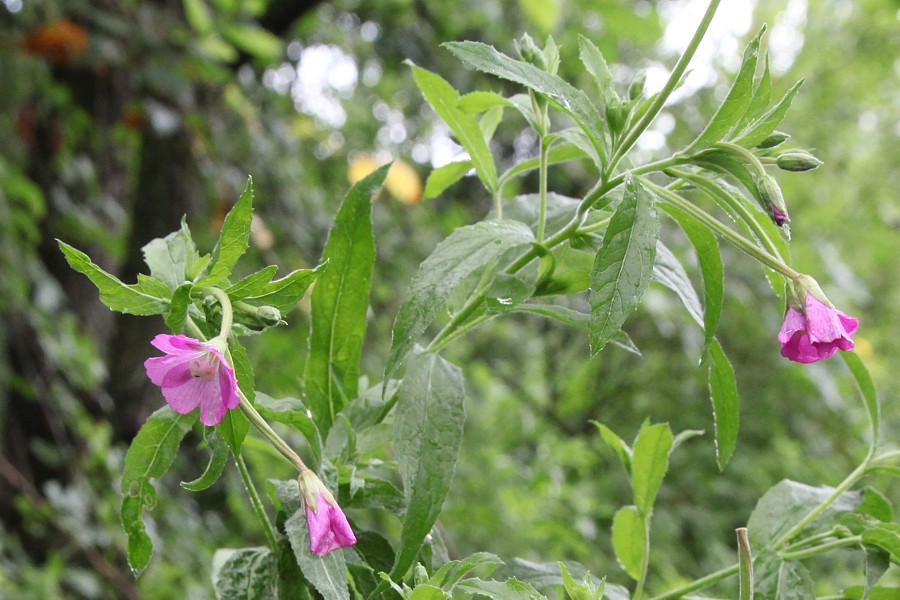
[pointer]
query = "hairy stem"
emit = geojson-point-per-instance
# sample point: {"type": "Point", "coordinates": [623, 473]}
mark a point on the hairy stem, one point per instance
{"type": "Point", "coordinates": [255, 501]}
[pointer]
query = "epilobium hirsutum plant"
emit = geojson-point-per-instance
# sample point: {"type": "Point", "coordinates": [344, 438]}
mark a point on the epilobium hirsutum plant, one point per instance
{"type": "Point", "coordinates": [533, 249]}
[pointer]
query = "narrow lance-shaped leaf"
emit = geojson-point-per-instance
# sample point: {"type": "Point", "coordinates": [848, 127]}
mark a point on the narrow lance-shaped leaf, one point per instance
{"type": "Point", "coordinates": [726, 403]}
{"type": "Point", "coordinates": [762, 127]}
{"type": "Point", "coordinates": [428, 429]}
{"type": "Point", "coordinates": [735, 103]}
{"type": "Point", "coordinates": [443, 177]}
{"type": "Point", "coordinates": [669, 271]}
{"type": "Point", "coordinates": [711, 268]}
{"type": "Point", "coordinates": [339, 303]}
{"type": "Point", "coordinates": [571, 100]}
{"type": "Point", "coordinates": [867, 390]}
{"type": "Point", "coordinates": [217, 461]}
{"type": "Point", "coordinates": [623, 266]}
{"type": "Point", "coordinates": [465, 251]}
{"type": "Point", "coordinates": [150, 455]}
{"type": "Point", "coordinates": [129, 299]}
{"type": "Point", "coordinates": [445, 102]}
{"type": "Point", "coordinates": [233, 239]}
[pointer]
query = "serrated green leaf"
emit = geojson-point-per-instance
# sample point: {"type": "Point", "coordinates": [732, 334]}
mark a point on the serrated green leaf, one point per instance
{"type": "Point", "coordinates": [427, 592]}
{"type": "Point", "coordinates": [217, 461]}
{"type": "Point", "coordinates": [481, 101]}
{"type": "Point", "coordinates": [623, 266]}
{"type": "Point", "coordinates": [244, 574]}
{"type": "Point", "coordinates": [735, 103]}
{"type": "Point", "coordinates": [128, 299]}
{"type": "Point", "coordinates": [339, 303]}
{"type": "Point", "coordinates": [762, 94]}
{"type": "Point", "coordinates": [785, 503]}
{"type": "Point", "coordinates": [711, 268]}
{"type": "Point", "coordinates": [649, 463]}
{"type": "Point", "coordinates": [668, 271]}
{"type": "Point", "coordinates": [448, 575]}
{"type": "Point", "coordinates": [726, 403]}
{"type": "Point", "coordinates": [616, 444]}
{"type": "Point", "coordinates": [464, 252]}
{"type": "Point", "coordinates": [558, 153]}
{"type": "Point", "coordinates": [762, 127]}
{"type": "Point", "coordinates": [233, 239]}
{"type": "Point", "coordinates": [867, 390]}
{"type": "Point", "coordinates": [571, 100]}
{"type": "Point", "coordinates": [593, 60]}
{"type": "Point", "coordinates": [445, 102]}
{"type": "Point", "coordinates": [885, 536]}
{"type": "Point", "coordinates": [148, 458]}
{"type": "Point", "coordinates": [293, 412]}
{"type": "Point", "coordinates": [428, 427]}
{"type": "Point", "coordinates": [855, 592]}
{"type": "Point", "coordinates": [510, 589]}
{"type": "Point", "coordinates": [242, 369]}
{"type": "Point", "coordinates": [152, 287]}
{"type": "Point", "coordinates": [629, 539]}
{"type": "Point", "coordinates": [443, 177]}
{"type": "Point", "coordinates": [252, 284]}
{"type": "Point", "coordinates": [285, 293]}
{"type": "Point", "coordinates": [233, 428]}
{"type": "Point", "coordinates": [172, 257]}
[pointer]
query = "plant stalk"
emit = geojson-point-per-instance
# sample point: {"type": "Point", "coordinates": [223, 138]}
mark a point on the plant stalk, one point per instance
{"type": "Point", "coordinates": [256, 502]}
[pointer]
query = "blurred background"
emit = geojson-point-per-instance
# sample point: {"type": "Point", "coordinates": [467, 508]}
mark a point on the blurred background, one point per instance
{"type": "Point", "coordinates": [119, 117]}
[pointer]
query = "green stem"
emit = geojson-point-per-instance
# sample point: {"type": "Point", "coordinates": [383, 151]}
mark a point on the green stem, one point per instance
{"type": "Point", "coordinates": [542, 171]}
{"type": "Point", "coordinates": [745, 560]}
{"type": "Point", "coordinates": [604, 186]}
{"type": "Point", "coordinates": [266, 430]}
{"type": "Point", "coordinates": [723, 231]}
{"type": "Point", "coordinates": [886, 457]}
{"type": "Point", "coordinates": [699, 584]}
{"type": "Point", "coordinates": [645, 561]}
{"type": "Point", "coordinates": [823, 506]}
{"type": "Point", "coordinates": [227, 312]}
{"type": "Point", "coordinates": [256, 502]}
{"type": "Point", "coordinates": [748, 156]}
{"type": "Point", "coordinates": [814, 550]}
{"type": "Point", "coordinates": [668, 88]}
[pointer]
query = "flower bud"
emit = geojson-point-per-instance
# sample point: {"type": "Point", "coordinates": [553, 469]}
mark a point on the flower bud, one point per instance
{"type": "Point", "coordinates": [616, 116]}
{"type": "Point", "coordinates": [798, 161]}
{"type": "Point", "coordinates": [528, 50]}
{"type": "Point", "coordinates": [773, 140]}
{"type": "Point", "coordinates": [772, 200]}
{"type": "Point", "coordinates": [269, 315]}
{"type": "Point", "coordinates": [637, 86]}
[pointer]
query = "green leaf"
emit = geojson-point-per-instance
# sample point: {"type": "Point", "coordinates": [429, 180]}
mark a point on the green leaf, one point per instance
{"type": "Point", "coordinates": [785, 503]}
{"type": "Point", "coordinates": [779, 580]}
{"type": "Point", "coordinates": [428, 427]}
{"type": "Point", "coordinates": [448, 575]}
{"type": "Point", "coordinates": [176, 313]}
{"type": "Point", "coordinates": [244, 574]}
{"type": "Point", "coordinates": [867, 389]}
{"type": "Point", "coordinates": [217, 461]}
{"type": "Point", "coordinates": [171, 258]}
{"type": "Point", "coordinates": [735, 103]}
{"type": "Point", "coordinates": [762, 93]}
{"type": "Point", "coordinates": [623, 266]}
{"type": "Point", "coordinates": [465, 251]}
{"type": "Point", "coordinates": [569, 99]}
{"type": "Point", "coordinates": [443, 177]}
{"type": "Point", "coordinates": [885, 536]}
{"type": "Point", "coordinates": [710, 261]}
{"type": "Point", "coordinates": [445, 102]}
{"type": "Point", "coordinates": [596, 65]}
{"type": "Point", "coordinates": [856, 592]}
{"type": "Point", "coordinates": [233, 428]}
{"type": "Point", "coordinates": [762, 127]}
{"type": "Point", "coordinates": [328, 574]}
{"type": "Point", "coordinates": [254, 40]}
{"type": "Point", "coordinates": [285, 293]}
{"type": "Point", "coordinates": [150, 455]}
{"type": "Point", "coordinates": [587, 590]}
{"type": "Point", "coordinates": [293, 412]}
{"type": "Point", "coordinates": [616, 444]}
{"type": "Point", "coordinates": [629, 539]}
{"type": "Point", "coordinates": [668, 271]}
{"type": "Point", "coordinates": [242, 369]}
{"type": "Point", "coordinates": [877, 563]}
{"type": "Point", "coordinates": [558, 153]}
{"type": "Point", "coordinates": [339, 304]}
{"type": "Point", "coordinates": [490, 121]}
{"type": "Point", "coordinates": [649, 463]}
{"type": "Point", "coordinates": [233, 239]}
{"type": "Point", "coordinates": [128, 299]}
{"type": "Point", "coordinates": [251, 285]}
{"type": "Point", "coordinates": [427, 592]}
{"type": "Point", "coordinates": [511, 589]}
{"type": "Point", "coordinates": [481, 101]}
{"type": "Point", "coordinates": [726, 403]}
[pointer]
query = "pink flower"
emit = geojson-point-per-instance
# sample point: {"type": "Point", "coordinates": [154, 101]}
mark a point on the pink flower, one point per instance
{"type": "Point", "coordinates": [816, 333]}
{"type": "Point", "coordinates": [779, 217]}
{"type": "Point", "coordinates": [328, 527]}
{"type": "Point", "coordinates": [192, 373]}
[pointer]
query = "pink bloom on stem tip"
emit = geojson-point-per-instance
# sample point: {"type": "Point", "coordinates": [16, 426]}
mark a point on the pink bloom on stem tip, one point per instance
{"type": "Point", "coordinates": [328, 527]}
{"type": "Point", "coordinates": [192, 373]}
{"type": "Point", "coordinates": [817, 333]}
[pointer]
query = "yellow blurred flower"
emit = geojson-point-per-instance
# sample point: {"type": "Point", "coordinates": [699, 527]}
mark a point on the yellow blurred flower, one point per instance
{"type": "Point", "coordinates": [402, 182]}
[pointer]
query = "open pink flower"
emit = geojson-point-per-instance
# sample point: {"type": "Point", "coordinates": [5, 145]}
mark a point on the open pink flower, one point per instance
{"type": "Point", "coordinates": [328, 527]}
{"type": "Point", "coordinates": [192, 373]}
{"type": "Point", "coordinates": [816, 333]}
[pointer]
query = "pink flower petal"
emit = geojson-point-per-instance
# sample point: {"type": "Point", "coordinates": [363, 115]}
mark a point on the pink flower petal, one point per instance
{"type": "Point", "coordinates": [328, 528]}
{"type": "Point", "coordinates": [185, 398]}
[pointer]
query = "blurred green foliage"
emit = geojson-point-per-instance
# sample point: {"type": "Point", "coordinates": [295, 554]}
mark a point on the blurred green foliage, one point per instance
{"type": "Point", "coordinates": [107, 99]}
